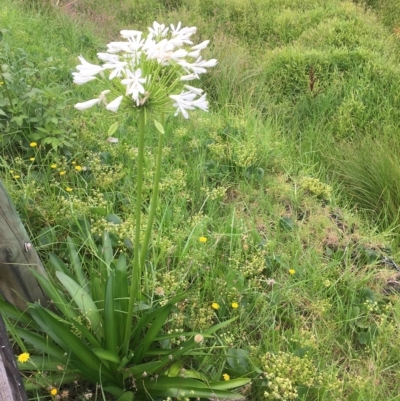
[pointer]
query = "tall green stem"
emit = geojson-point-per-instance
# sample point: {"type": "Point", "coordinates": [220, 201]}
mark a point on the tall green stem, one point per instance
{"type": "Point", "coordinates": [134, 294]}
{"type": "Point", "coordinates": [154, 197]}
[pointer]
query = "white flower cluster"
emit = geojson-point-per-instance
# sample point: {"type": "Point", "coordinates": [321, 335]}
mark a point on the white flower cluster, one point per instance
{"type": "Point", "coordinates": [151, 70]}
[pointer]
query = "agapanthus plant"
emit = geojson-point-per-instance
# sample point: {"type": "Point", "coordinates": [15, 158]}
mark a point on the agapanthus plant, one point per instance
{"type": "Point", "coordinates": [149, 71]}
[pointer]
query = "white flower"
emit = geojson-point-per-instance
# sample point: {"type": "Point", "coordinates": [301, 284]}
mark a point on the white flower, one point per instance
{"type": "Point", "coordinates": [201, 103]}
{"type": "Point", "coordinates": [196, 91]}
{"type": "Point", "coordinates": [130, 34]}
{"type": "Point", "coordinates": [158, 29]}
{"type": "Point", "coordinates": [201, 46]}
{"type": "Point", "coordinates": [87, 69]}
{"type": "Point", "coordinates": [189, 77]}
{"type": "Point", "coordinates": [80, 80]}
{"type": "Point", "coordinates": [186, 101]}
{"type": "Point", "coordinates": [134, 84]}
{"type": "Point", "coordinates": [114, 105]}
{"type": "Point", "coordinates": [87, 104]}
{"type": "Point", "coordinates": [117, 67]}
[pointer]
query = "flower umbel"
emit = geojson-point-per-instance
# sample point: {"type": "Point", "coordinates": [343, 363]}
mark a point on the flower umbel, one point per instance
{"type": "Point", "coordinates": [152, 70]}
{"type": "Point", "coordinates": [24, 357]}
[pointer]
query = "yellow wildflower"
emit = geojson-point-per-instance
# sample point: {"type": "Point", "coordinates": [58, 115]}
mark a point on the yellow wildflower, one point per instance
{"type": "Point", "coordinates": [292, 271]}
{"type": "Point", "coordinates": [73, 162]}
{"type": "Point", "coordinates": [32, 159]}
{"type": "Point", "coordinates": [17, 176]}
{"type": "Point", "coordinates": [78, 168]}
{"type": "Point", "coordinates": [53, 165]}
{"type": "Point", "coordinates": [215, 305]}
{"type": "Point", "coordinates": [203, 239]}
{"type": "Point", "coordinates": [62, 172]}
{"type": "Point", "coordinates": [226, 376]}
{"type": "Point", "coordinates": [24, 357]}
{"type": "Point", "coordinates": [68, 189]}
{"type": "Point", "coordinates": [53, 391]}
{"type": "Point", "coordinates": [235, 305]}
{"type": "Point", "coordinates": [33, 144]}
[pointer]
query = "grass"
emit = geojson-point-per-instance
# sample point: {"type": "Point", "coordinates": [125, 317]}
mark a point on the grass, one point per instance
{"type": "Point", "coordinates": [303, 89]}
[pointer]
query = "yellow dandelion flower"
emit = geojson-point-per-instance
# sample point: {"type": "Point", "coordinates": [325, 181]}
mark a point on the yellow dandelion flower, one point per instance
{"type": "Point", "coordinates": [62, 172]}
{"type": "Point", "coordinates": [292, 271]}
{"type": "Point", "coordinates": [73, 162]}
{"type": "Point", "coordinates": [53, 391]}
{"type": "Point", "coordinates": [33, 144]}
{"type": "Point", "coordinates": [226, 376]}
{"type": "Point", "coordinates": [17, 176]}
{"type": "Point", "coordinates": [24, 357]}
{"type": "Point", "coordinates": [78, 168]}
{"type": "Point", "coordinates": [203, 240]}
{"type": "Point", "coordinates": [215, 305]}
{"type": "Point", "coordinates": [235, 305]}
{"type": "Point", "coordinates": [32, 159]}
{"type": "Point", "coordinates": [53, 165]}
{"type": "Point", "coordinates": [68, 189]}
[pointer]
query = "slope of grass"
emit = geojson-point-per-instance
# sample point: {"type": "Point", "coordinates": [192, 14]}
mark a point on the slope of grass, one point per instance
{"type": "Point", "coordinates": [299, 87]}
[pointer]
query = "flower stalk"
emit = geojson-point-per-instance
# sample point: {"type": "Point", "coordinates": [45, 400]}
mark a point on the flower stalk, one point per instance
{"type": "Point", "coordinates": [134, 294]}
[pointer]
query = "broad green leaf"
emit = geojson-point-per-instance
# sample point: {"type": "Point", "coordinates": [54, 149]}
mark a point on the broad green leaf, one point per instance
{"type": "Point", "coordinates": [181, 387]}
{"type": "Point", "coordinates": [115, 391]}
{"type": "Point", "coordinates": [106, 355]}
{"type": "Point", "coordinates": [238, 360]}
{"type": "Point", "coordinates": [148, 339]}
{"type": "Point", "coordinates": [40, 342]}
{"type": "Point", "coordinates": [14, 313]}
{"type": "Point", "coordinates": [44, 363]}
{"type": "Point", "coordinates": [70, 343]}
{"type": "Point", "coordinates": [107, 250]}
{"type": "Point", "coordinates": [113, 128]}
{"type": "Point", "coordinates": [228, 384]}
{"type": "Point", "coordinates": [110, 332]}
{"type": "Point", "coordinates": [127, 396]}
{"type": "Point", "coordinates": [121, 294]}
{"type": "Point", "coordinates": [76, 262]}
{"type": "Point", "coordinates": [58, 300]}
{"type": "Point", "coordinates": [82, 299]}
{"type": "Point", "coordinates": [58, 264]}
{"type": "Point", "coordinates": [159, 127]}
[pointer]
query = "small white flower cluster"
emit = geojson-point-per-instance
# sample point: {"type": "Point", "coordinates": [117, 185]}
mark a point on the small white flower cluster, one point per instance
{"type": "Point", "coordinates": [151, 70]}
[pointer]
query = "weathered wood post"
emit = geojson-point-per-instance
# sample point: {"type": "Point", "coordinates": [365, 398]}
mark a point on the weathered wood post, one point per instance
{"type": "Point", "coordinates": [11, 387]}
{"type": "Point", "coordinates": [17, 286]}
{"type": "Point", "coordinates": [17, 255]}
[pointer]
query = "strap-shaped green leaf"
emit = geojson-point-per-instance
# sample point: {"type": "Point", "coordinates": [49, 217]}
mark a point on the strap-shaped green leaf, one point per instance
{"type": "Point", "coordinates": [76, 262]}
{"type": "Point", "coordinates": [109, 318]}
{"type": "Point", "coordinates": [82, 299]}
{"type": "Point", "coordinates": [43, 344]}
{"type": "Point", "coordinates": [158, 322]}
{"type": "Point", "coordinates": [106, 355]}
{"type": "Point", "coordinates": [58, 300]}
{"type": "Point", "coordinates": [14, 313]}
{"type": "Point", "coordinates": [183, 387]}
{"type": "Point", "coordinates": [121, 295]}
{"type": "Point", "coordinates": [81, 355]}
{"type": "Point", "coordinates": [58, 264]}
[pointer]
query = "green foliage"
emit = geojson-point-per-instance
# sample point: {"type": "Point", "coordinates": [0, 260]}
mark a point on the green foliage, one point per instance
{"type": "Point", "coordinates": [85, 335]}
{"type": "Point", "coordinates": [31, 109]}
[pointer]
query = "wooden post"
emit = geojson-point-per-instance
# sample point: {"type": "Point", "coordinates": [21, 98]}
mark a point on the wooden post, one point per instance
{"type": "Point", "coordinates": [17, 255]}
{"type": "Point", "coordinates": [11, 387]}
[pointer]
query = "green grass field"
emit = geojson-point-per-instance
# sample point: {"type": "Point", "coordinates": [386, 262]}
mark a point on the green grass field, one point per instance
{"type": "Point", "coordinates": [278, 208]}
